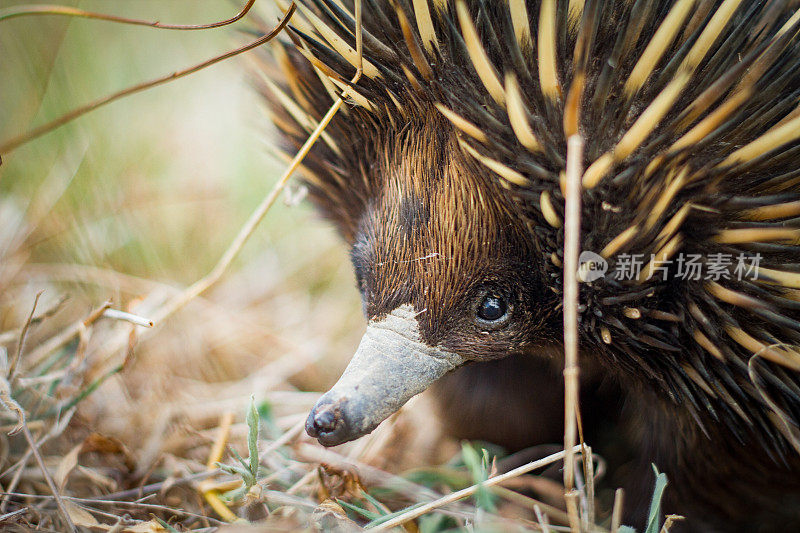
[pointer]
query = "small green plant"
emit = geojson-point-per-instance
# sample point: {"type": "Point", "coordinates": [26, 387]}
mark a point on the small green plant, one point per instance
{"type": "Point", "coordinates": [479, 466]}
{"type": "Point", "coordinates": [365, 513]}
{"type": "Point", "coordinates": [654, 514]}
{"type": "Point", "coordinates": [248, 470]}
{"type": "Point", "coordinates": [166, 526]}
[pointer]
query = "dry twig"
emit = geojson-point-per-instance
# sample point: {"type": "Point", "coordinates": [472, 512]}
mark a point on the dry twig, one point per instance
{"type": "Point", "coordinates": [571, 251]}
{"type": "Point", "coordinates": [33, 10]}
{"type": "Point", "coordinates": [211, 494]}
{"type": "Point", "coordinates": [15, 142]}
{"type": "Point", "coordinates": [12, 366]}
{"type": "Point", "coordinates": [48, 478]}
{"type": "Point", "coordinates": [616, 514]}
{"type": "Point", "coordinates": [416, 512]}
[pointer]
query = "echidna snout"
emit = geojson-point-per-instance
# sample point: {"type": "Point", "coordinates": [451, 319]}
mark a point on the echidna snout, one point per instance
{"type": "Point", "coordinates": [391, 365]}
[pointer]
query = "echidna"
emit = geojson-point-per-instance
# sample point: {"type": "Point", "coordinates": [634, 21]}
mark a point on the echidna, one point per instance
{"type": "Point", "coordinates": [444, 175]}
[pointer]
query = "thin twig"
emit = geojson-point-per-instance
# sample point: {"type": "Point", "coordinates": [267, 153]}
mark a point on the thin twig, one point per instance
{"type": "Point", "coordinates": [572, 230]}
{"type": "Point", "coordinates": [542, 519]}
{"type": "Point", "coordinates": [10, 335]}
{"type": "Point", "coordinates": [531, 503]}
{"type": "Point", "coordinates": [616, 513]}
{"type": "Point", "coordinates": [469, 491]}
{"type": "Point", "coordinates": [19, 466]}
{"type": "Point", "coordinates": [15, 142]}
{"type": "Point", "coordinates": [571, 251]}
{"type": "Point", "coordinates": [44, 9]}
{"type": "Point", "coordinates": [6, 516]}
{"type": "Point", "coordinates": [128, 317]}
{"type": "Point", "coordinates": [571, 499]}
{"type": "Point", "coordinates": [588, 465]}
{"type": "Point", "coordinates": [57, 341]}
{"type": "Point", "coordinates": [359, 43]}
{"type": "Point", "coordinates": [119, 503]}
{"type": "Point", "coordinates": [12, 367]}
{"type": "Point", "coordinates": [210, 493]}
{"type": "Point", "coordinates": [48, 478]}
{"type": "Point", "coordinates": [156, 487]}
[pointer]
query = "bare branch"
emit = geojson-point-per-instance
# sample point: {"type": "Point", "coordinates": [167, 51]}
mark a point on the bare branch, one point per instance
{"type": "Point", "coordinates": [12, 367]}
{"type": "Point", "coordinates": [572, 230]}
{"type": "Point", "coordinates": [16, 142]}
{"type": "Point", "coordinates": [128, 317]}
{"type": "Point", "coordinates": [469, 491]}
{"type": "Point", "coordinates": [48, 478]}
{"type": "Point", "coordinates": [45, 9]}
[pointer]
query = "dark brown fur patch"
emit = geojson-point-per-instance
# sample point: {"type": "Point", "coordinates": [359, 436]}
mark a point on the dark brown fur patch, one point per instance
{"type": "Point", "coordinates": [412, 215]}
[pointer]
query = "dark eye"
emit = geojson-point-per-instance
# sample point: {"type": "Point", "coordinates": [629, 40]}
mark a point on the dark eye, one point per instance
{"type": "Point", "coordinates": [492, 308]}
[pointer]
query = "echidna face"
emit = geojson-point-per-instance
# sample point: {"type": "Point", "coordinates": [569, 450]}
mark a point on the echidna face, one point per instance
{"type": "Point", "coordinates": [444, 279]}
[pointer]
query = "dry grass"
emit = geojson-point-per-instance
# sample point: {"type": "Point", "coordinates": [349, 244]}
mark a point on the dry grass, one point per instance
{"type": "Point", "coordinates": [132, 437]}
{"type": "Point", "coordinates": [113, 425]}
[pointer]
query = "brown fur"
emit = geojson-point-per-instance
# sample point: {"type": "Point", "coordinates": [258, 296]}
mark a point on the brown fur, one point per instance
{"type": "Point", "coordinates": [435, 222]}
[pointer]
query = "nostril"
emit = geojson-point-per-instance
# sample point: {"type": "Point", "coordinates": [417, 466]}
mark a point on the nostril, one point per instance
{"type": "Point", "coordinates": [324, 420]}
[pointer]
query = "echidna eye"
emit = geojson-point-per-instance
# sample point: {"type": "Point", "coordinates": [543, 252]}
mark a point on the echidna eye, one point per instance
{"type": "Point", "coordinates": [492, 308]}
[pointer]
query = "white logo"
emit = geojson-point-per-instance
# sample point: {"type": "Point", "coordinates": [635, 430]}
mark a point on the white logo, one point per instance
{"type": "Point", "coordinates": [591, 266]}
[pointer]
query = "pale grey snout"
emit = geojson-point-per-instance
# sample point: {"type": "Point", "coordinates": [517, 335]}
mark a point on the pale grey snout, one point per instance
{"type": "Point", "coordinates": [391, 365]}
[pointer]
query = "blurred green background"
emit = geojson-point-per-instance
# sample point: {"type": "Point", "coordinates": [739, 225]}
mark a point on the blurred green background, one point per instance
{"type": "Point", "coordinates": [157, 185]}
